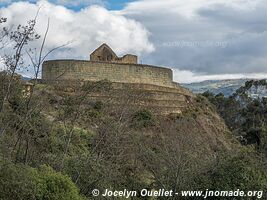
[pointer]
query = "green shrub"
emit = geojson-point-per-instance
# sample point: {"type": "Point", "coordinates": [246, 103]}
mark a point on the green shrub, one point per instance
{"type": "Point", "coordinates": [143, 118]}
{"type": "Point", "coordinates": [23, 182]}
{"type": "Point", "coordinates": [242, 171]}
{"type": "Point", "coordinates": [52, 185]}
{"type": "Point", "coordinates": [98, 105]}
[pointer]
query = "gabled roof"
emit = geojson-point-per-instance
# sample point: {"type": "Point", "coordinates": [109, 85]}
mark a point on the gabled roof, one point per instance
{"type": "Point", "coordinates": [104, 46]}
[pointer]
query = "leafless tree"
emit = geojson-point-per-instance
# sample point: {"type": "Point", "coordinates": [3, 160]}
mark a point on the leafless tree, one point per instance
{"type": "Point", "coordinates": [19, 40]}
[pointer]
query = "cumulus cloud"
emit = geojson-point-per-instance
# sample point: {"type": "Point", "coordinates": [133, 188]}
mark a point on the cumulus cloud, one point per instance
{"type": "Point", "coordinates": [184, 76]}
{"type": "Point", "coordinates": [85, 29]}
{"type": "Point", "coordinates": [205, 36]}
{"type": "Point", "coordinates": [200, 39]}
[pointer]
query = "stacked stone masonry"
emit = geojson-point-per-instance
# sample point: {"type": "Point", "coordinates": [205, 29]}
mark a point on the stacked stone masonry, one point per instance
{"type": "Point", "coordinates": [161, 93]}
{"type": "Point", "coordinates": [114, 72]}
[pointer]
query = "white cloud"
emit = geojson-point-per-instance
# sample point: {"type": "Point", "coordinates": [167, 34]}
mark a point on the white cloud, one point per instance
{"type": "Point", "coordinates": [241, 24]}
{"type": "Point", "coordinates": [86, 28]}
{"type": "Point", "coordinates": [180, 34]}
{"type": "Point", "coordinates": [183, 8]}
{"type": "Point", "coordinates": [183, 76]}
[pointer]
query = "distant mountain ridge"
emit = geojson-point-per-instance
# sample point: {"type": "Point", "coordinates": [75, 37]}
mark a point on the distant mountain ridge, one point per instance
{"type": "Point", "coordinates": [227, 87]}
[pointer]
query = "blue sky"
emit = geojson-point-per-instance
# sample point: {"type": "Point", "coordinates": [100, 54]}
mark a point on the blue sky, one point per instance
{"type": "Point", "coordinates": [117, 4]}
{"type": "Point", "coordinates": [198, 39]}
{"type": "Point", "coordinates": [79, 4]}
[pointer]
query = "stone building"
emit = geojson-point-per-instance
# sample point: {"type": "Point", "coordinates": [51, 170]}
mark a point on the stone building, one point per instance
{"type": "Point", "coordinates": [161, 92]}
{"type": "Point", "coordinates": [105, 54]}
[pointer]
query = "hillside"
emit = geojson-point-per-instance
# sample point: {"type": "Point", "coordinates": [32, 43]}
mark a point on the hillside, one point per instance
{"type": "Point", "coordinates": [253, 89]}
{"type": "Point", "coordinates": [61, 133]}
{"type": "Point", "coordinates": [104, 126]}
{"type": "Point", "coordinates": [245, 112]}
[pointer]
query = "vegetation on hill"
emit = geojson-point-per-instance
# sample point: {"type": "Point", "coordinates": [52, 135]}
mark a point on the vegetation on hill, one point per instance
{"type": "Point", "coordinates": [76, 144]}
{"type": "Point", "coordinates": [245, 114]}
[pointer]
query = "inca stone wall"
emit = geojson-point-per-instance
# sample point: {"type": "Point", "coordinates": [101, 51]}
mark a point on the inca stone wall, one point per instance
{"type": "Point", "coordinates": [105, 54]}
{"type": "Point", "coordinates": [128, 59]}
{"type": "Point", "coordinates": [140, 86]}
{"type": "Point", "coordinates": [114, 72]}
